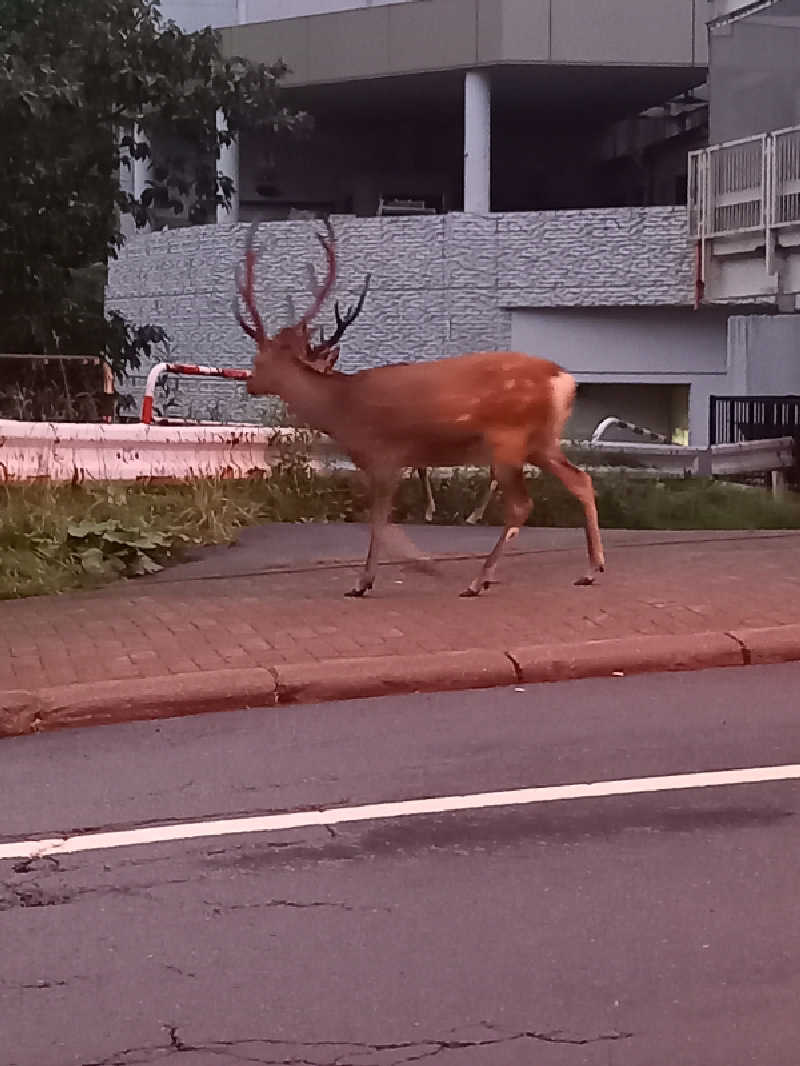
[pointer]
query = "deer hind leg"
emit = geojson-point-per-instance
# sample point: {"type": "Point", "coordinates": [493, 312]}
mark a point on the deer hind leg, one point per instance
{"type": "Point", "coordinates": [517, 506]}
{"type": "Point", "coordinates": [477, 515]}
{"type": "Point", "coordinates": [425, 477]}
{"type": "Point", "coordinates": [580, 485]}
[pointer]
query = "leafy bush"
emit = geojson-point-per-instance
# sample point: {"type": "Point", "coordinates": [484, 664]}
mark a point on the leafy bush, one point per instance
{"type": "Point", "coordinates": [108, 549]}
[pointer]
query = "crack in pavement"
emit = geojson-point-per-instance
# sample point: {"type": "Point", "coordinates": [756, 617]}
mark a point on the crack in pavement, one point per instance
{"type": "Point", "coordinates": [219, 908]}
{"type": "Point", "coordinates": [42, 983]}
{"type": "Point", "coordinates": [176, 969]}
{"type": "Point", "coordinates": [27, 866]}
{"type": "Point", "coordinates": [263, 1050]}
{"type": "Point", "coordinates": [66, 833]}
{"type": "Point", "coordinates": [22, 897]}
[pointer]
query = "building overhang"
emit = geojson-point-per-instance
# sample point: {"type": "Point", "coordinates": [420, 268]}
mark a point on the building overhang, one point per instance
{"type": "Point", "coordinates": [433, 36]}
{"type": "Point", "coordinates": [542, 93]}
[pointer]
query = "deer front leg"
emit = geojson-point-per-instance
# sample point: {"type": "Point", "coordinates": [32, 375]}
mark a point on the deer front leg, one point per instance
{"type": "Point", "coordinates": [382, 492]}
{"type": "Point", "coordinates": [517, 506]}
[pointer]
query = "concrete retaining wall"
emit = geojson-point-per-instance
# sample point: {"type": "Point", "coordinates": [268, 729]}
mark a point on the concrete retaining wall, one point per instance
{"type": "Point", "coordinates": [441, 285]}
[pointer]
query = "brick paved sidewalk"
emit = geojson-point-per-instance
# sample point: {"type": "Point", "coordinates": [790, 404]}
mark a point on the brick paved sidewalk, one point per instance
{"type": "Point", "coordinates": [655, 584]}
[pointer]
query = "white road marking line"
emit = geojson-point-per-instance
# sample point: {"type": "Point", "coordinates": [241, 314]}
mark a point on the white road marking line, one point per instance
{"type": "Point", "coordinates": [159, 834]}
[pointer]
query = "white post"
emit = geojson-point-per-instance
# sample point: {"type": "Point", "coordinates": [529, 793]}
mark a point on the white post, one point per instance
{"type": "Point", "coordinates": [125, 182]}
{"type": "Point", "coordinates": [228, 156]}
{"type": "Point", "coordinates": [142, 169]}
{"type": "Point", "coordinates": [477, 141]}
{"type": "Point", "coordinates": [778, 482]}
{"type": "Point", "coordinates": [125, 172]}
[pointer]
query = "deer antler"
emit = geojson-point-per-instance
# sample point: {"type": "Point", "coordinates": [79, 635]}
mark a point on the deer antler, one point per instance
{"type": "Point", "coordinates": [322, 357]}
{"type": "Point", "coordinates": [244, 291]}
{"type": "Point", "coordinates": [321, 292]}
{"type": "Point", "coordinates": [351, 314]}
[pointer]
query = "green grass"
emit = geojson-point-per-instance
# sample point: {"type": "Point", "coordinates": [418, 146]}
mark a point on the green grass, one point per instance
{"type": "Point", "coordinates": [54, 538]}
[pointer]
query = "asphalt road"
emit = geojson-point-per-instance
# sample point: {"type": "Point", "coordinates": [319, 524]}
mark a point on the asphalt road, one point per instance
{"type": "Point", "coordinates": [656, 928]}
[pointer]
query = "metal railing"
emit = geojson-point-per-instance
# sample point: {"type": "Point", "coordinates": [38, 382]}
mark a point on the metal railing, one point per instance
{"type": "Point", "coordinates": [745, 186]}
{"type": "Point", "coordinates": [785, 197]}
{"type": "Point", "coordinates": [736, 419]}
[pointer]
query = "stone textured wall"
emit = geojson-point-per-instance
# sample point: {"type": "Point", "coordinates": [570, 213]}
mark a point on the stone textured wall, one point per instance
{"type": "Point", "coordinates": [441, 285]}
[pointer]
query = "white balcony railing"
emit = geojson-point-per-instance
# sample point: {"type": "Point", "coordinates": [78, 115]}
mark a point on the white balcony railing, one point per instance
{"type": "Point", "coordinates": [786, 177]}
{"type": "Point", "coordinates": [746, 186]}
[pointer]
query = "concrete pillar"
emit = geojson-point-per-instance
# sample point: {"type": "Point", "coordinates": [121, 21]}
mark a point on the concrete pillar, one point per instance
{"type": "Point", "coordinates": [142, 170]}
{"type": "Point", "coordinates": [125, 171]}
{"type": "Point", "coordinates": [477, 141]}
{"type": "Point", "coordinates": [228, 156]}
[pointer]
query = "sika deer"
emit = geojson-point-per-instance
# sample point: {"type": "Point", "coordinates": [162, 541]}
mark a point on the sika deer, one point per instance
{"type": "Point", "coordinates": [498, 409]}
{"type": "Point", "coordinates": [323, 356]}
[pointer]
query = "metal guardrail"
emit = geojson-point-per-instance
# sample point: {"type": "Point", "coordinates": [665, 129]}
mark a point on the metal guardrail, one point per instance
{"type": "Point", "coordinates": [67, 451]}
{"type": "Point", "coordinates": [631, 427]}
{"type": "Point", "coordinates": [726, 11]}
{"type": "Point", "coordinates": [747, 457]}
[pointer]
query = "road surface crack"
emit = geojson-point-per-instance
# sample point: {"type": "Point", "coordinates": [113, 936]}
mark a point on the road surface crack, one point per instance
{"type": "Point", "coordinates": [12, 897]}
{"type": "Point", "coordinates": [220, 908]}
{"type": "Point", "coordinates": [270, 1051]}
{"type": "Point", "coordinates": [27, 866]}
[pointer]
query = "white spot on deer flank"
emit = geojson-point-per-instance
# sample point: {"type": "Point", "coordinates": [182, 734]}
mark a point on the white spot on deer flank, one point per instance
{"type": "Point", "coordinates": [463, 418]}
{"type": "Point", "coordinates": [510, 384]}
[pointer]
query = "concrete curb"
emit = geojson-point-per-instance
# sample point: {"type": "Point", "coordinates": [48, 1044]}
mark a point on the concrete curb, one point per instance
{"type": "Point", "coordinates": [174, 695]}
{"type": "Point", "coordinates": [107, 702]}
{"type": "Point", "coordinates": [626, 655]}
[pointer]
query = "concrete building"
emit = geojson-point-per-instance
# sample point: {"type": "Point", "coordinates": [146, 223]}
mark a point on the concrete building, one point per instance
{"type": "Point", "coordinates": [744, 196]}
{"type": "Point", "coordinates": [501, 105]}
{"type": "Point", "coordinates": [542, 145]}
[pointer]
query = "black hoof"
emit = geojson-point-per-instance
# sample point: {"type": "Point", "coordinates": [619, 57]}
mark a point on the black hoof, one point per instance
{"type": "Point", "coordinates": [468, 593]}
{"type": "Point", "coordinates": [358, 592]}
{"type": "Point", "coordinates": [585, 581]}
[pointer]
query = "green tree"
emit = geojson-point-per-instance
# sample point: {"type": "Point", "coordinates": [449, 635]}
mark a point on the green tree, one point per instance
{"type": "Point", "coordinates": [72, 76]}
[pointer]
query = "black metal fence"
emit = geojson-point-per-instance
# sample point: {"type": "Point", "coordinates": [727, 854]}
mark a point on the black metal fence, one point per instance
{"type": "Point", "coordinates": [742, 418]}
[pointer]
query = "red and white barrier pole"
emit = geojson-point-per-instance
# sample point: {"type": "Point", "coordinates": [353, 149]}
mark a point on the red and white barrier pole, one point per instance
{"type": "Point", "coordinates": [188, 369]}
